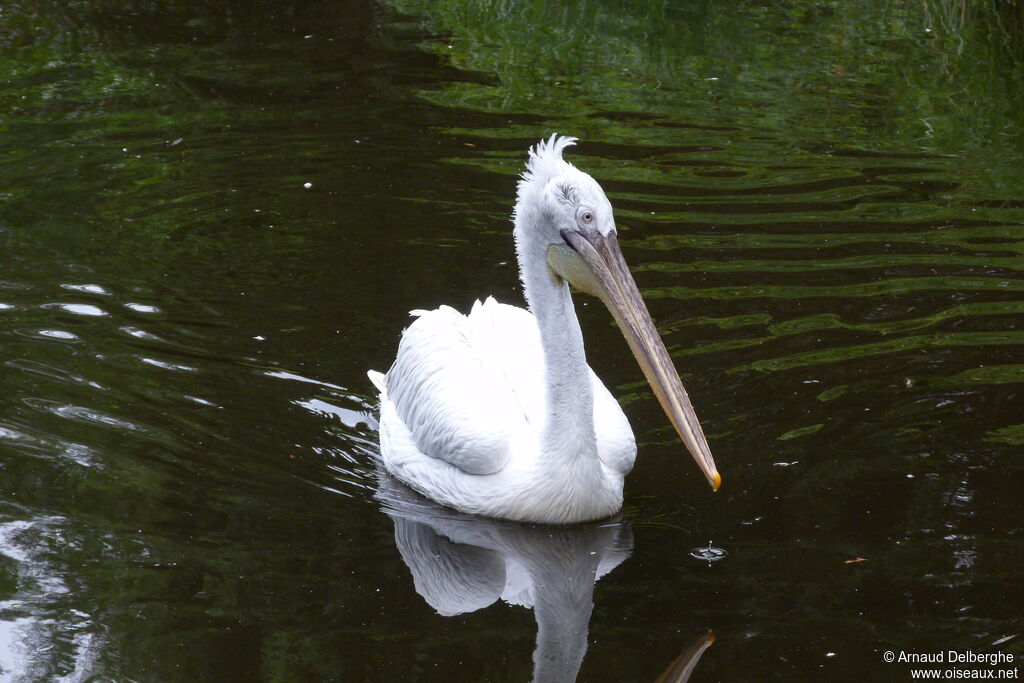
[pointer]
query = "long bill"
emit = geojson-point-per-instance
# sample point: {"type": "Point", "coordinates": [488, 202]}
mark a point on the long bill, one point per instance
{"type": "Point", "coordinates": [604, 274]}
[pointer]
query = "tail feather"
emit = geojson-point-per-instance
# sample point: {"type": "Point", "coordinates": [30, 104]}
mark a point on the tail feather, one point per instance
{"type": "Point", "coordinates": [379, 380]}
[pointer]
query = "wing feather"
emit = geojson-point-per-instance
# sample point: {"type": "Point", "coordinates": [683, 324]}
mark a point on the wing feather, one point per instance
{"type": "Point", "coordinates": [463, 387]}
{"type": "Point", "coordinates": [452, 391]}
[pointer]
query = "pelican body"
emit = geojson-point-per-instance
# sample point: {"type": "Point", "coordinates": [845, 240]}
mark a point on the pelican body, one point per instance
{"type": "Point", "coordinates": [497, 413]}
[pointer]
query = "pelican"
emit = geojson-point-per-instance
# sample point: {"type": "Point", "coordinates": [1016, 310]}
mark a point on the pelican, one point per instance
{"type": "Point", "coordinates": [497, 413]}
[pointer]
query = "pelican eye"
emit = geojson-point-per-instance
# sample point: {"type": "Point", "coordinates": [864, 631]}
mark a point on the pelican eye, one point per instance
{"type": "Point", "coordinates": [585, 216]}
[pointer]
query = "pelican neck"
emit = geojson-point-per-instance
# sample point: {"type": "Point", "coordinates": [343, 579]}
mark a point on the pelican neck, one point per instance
{"type": "Point", "coordinates": [569, 426]}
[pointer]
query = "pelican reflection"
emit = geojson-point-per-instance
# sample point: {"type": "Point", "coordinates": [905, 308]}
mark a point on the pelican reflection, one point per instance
{"type": "Point", "coordinates": [462, 563]}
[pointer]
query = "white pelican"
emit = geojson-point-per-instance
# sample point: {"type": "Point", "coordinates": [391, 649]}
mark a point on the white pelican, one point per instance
{"type": "Point", "coordinates": [497, 413]}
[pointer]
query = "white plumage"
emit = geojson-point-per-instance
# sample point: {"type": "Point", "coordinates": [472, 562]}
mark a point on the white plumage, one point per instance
{"type": "Point", "coordinates": [463, 415]}
{"type": "Point", "coordinates": [497, 412]}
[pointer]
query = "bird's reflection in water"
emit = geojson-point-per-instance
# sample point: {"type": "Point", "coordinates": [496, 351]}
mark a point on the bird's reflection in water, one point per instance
{"type": "Point", "coordinates": [682, 666]}
{"type": "Point", "coordinates": [461, 563]}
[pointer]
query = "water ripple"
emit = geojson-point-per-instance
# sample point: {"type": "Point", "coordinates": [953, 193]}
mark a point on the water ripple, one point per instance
{"type": "Point", "coordinates": [40, 639]}
{"type": "Point", "coordinates": [51, 370]}
{"type": "Point", "coordinates": [82, 309]}
{"type": "Point", "coordinates": [911, 343]}
{"type": "Point", "coordinates": [88, 289]}
{"type": "Point", "coordinates": [142, 308]}
{"type": "Point", "coordinates": [59, 335]}
{"type": "Point", "coordinates": [863, 289]}
{"type": "Point", "coordinates": [178, 367]}
{"type": "Point", "coordinates": [81, 414]}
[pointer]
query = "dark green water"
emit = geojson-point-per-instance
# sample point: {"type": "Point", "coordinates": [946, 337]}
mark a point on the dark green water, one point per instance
{"type": "Point", "coordinates": [214, 218]}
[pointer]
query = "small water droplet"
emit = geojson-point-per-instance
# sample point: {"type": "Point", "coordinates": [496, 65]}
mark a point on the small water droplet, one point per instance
{"type": "Point", "coordinates": [708, 554]}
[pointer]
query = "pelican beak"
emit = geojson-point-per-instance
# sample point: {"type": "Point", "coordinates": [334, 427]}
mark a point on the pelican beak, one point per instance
{"type": "Point", "coordinates": [593, 263]}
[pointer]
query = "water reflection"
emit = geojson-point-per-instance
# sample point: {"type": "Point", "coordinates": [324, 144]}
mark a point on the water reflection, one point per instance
{"type": "Point", "coordinates": [829, 234]}
{"type": "Point", "coordinates": [34, 645]}
{"type": "Point", "coordinates": [682, 667]}
{"type": "Point", "coordinates": [461, 563]}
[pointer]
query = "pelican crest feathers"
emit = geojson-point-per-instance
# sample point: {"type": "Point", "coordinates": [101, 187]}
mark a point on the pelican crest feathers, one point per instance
{"type": "Point", "coordinates": [545, 160]}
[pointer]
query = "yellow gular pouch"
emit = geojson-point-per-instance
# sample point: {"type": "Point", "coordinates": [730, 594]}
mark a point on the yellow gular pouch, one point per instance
{"type": "Point", "coordinates": [567, 264]}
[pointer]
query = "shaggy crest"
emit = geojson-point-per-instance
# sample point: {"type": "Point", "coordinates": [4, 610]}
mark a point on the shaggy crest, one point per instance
{"type": "Point", "coordinates": [546, 159]}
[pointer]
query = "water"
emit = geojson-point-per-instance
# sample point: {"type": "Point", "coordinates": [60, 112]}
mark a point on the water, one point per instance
{"type": "Point", "coordinates": [709, 554]}
{"type": "Point", "coordinates": [215, 218]}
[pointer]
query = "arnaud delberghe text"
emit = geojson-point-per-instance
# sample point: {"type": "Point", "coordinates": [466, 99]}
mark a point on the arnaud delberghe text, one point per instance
{"type": "Point", "coordinates": [956, 657]}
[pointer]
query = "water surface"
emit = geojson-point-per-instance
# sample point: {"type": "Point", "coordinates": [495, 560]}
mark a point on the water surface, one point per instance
{"type": "Point", "coordinates": [215, 217]}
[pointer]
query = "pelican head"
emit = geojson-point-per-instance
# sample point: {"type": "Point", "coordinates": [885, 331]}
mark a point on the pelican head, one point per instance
{"type": "Point", "coordinates": [564, 224]}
